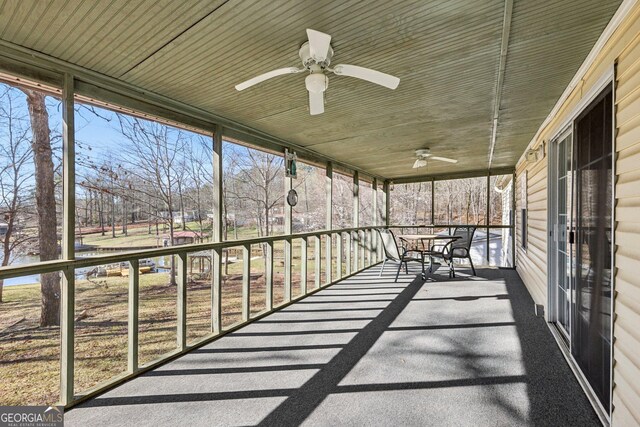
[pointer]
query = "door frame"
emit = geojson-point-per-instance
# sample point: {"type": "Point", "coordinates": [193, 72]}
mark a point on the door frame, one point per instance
{"type": "Point", "coordinates": [567, 125]}
{"type": "Point", "coordinates": [552, 207]}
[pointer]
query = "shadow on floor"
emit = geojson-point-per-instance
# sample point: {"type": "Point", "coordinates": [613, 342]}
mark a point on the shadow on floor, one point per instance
{"type": "Point", "coordinates": [475, 348]}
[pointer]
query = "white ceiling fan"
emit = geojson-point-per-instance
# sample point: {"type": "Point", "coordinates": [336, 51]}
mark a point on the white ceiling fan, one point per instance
{"type": "Point", "coordinates": [425, 153]}
{"type": "Point", "coordinates": [316, 56]}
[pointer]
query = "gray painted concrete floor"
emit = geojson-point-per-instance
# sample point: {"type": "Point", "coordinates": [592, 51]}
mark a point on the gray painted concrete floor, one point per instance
{"type": "Point", "coordinates": [368, 351]}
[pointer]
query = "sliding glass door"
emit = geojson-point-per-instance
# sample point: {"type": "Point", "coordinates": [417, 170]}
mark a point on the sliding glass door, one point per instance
{"type": "Point", "coordinates": [581, 214]}
{"type": "Point", "coordinates": [591, 331]}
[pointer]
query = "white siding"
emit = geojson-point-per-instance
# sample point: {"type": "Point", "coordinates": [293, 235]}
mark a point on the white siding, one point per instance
{"type": "Point", "coordinates": [623, 49]}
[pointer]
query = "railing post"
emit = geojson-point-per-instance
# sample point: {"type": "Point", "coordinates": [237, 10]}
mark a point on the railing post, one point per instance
{"type": "Point", "coordinates": [347, 260]}
{"type": "Point", "coordinates": [356, 220]}
{"type": "Point", "coordinates": [216, 255]}
{"type": "Point", "coordinates": [288, 259]}
{"type": "Point", "coordinates": [362, 235]}
{"type": "Point", "coordinates": [67, 323]}
{"type": "Point", "coordinates": [329, 220]}
{"type": "Point", "coordinates": [246, 282]}
{"type": "Point", "coordinates": [513, 220]}
{"type": "Point", "coordinates": [269, 276]}
{"type": "Point", "coordinates": [182, 301]}
{"type": "Point", "coordinates": [66, 337]}
{"type": "Point", "coordinates": [303, 265]}
{"type": "Point", "coordinates": [339, 254]}
{"type": "Point", "coordinates": [318, 262]}
{"type": "Point", "coordinates": [132, 320]}
{"type": "Point", "coordinates": [367, 235]}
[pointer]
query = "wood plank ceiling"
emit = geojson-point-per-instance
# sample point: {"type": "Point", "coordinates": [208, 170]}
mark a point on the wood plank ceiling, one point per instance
{"type": "Point", "coordinates": [446, 52]}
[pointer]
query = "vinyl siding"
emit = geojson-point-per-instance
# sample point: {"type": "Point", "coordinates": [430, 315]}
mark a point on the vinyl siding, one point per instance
{"type": "Point", "coordinates": [623, 49]}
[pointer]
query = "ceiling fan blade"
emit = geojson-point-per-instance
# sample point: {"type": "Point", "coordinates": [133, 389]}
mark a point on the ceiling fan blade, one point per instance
{"type": "Point", "coordinates": [444, 159]}
{"type": "Point", "coordinates": [267, 76]}
{"type": "Point", "coordinates": [318, 44]}
{"type": "Point", "coordinates": [367, 74]}
{"type": "Point", "coordinates": [316, 103]}
{"type": "Point", "coordinates": [419, 163]}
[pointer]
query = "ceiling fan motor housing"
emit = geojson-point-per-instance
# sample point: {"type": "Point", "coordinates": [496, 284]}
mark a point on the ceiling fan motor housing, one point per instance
{"type": "Point", "coordinates": [308, 60]}
{"type": "Point", "coordinates": [423, 152]}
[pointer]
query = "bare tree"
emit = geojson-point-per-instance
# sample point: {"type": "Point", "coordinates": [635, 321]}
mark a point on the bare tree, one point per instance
{"type": "Point", "coordinates": [255, 181]}
{"type": "Point", "coordinates": [259, 180]}
{"type": "Point", "coordinates": [16, 178]}
{"type": "Point", "coordinates": [198, 166]}
{"type": "Point", "coordinates": [310, 212]}
{"type": "Point", "coordinates": [342, 211]}
{"type": "Point", "coordinates": [45, 198]}
{"type": "Point", "coordinates": [153, 159]}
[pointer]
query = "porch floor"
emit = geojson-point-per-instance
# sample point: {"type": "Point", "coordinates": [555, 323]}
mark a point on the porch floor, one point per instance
{"type": "Point", "coordinates": [368, 351]}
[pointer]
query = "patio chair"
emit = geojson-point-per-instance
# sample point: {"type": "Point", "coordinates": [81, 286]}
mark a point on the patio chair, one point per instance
{"type": "Point", "coordinates": [394, 254]}
{"type": "Point", "coordinates": [459, 249]}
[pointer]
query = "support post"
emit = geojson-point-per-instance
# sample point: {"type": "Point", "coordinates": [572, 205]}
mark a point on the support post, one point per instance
{"type": "Point", "coordinates": [67, 323]}
{"type": "Point", "coordinates": [374, 221]}
{"type": "Point", "coordinates": [488, 221]}
{"type": "Point", "coordinates": [387, 207]}
{"type": "Point", "coordinates": [513, 220]}
{"type": "Point", "coordinates": [216, 255]}
{"type": "Point", "coordinates": [329, 220]}
{"type": "Point", "coordinates": [288, 258]}
{"type": "Point", "coordinates": [246, 282]}
{"type": "Point", "coordinates": [132, 320]}
{"type": "Point", "coordinates": [356, 220]}
{"type": "Point", "coordinates": [182, 301]}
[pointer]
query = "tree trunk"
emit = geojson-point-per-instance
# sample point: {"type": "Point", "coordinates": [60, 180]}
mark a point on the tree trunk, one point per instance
{"type": "Point", "coordinates": [45, 205]}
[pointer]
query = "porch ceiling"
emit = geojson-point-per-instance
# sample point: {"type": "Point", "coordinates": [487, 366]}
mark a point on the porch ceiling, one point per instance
{"type": "Point", "coordinates": [447, 54]}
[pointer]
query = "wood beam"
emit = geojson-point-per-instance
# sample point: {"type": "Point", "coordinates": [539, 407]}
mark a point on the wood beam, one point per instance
{"type": "Point", "coordinates": [216, 255]}
{"type": "Point", "coordinates": [329, 221]}
{"type": "Point", "coordinates": [502, 65]}
{"type": "Point", "coordinates": [67, 291]}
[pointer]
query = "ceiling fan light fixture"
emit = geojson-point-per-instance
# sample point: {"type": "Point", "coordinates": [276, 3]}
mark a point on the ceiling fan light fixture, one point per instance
{"type": "Point", "coordinates": [316, 82]}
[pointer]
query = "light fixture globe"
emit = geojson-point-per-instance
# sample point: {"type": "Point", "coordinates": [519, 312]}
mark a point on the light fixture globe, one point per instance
{"type": "Point", "coordinates": [316, 82]}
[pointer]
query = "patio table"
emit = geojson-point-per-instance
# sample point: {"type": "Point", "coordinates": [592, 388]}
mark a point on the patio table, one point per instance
{"type": "Point", "coordinates": [423, 243]}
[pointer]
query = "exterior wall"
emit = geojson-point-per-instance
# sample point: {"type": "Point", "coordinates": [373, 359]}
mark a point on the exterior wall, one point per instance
{"type": "Point", "coordinates": [623, 49]}
{"type": "Point", "coordinates": [531, 262]}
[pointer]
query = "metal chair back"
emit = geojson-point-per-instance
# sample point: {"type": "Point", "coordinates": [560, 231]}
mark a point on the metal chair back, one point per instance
{"type": "Point", "coordinates": [466, 237]}
{"type": "Point", "coordinates": [389, 244]}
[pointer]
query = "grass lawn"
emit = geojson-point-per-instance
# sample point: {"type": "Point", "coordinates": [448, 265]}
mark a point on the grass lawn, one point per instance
{"type": "Point", "coordinates": [30, 355]}
{"type": "Point", "coordinates": [137, 236]}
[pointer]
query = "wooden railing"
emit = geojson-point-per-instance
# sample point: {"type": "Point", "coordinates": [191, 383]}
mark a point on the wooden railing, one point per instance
{"type": "Point", "coordinates": [355, 250]}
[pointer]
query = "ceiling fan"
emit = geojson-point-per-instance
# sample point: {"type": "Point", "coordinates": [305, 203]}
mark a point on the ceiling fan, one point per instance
{"type": "Point", "coordinates": [316, 54]}
{"type": "Point", "coordinates": [425, 153]}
